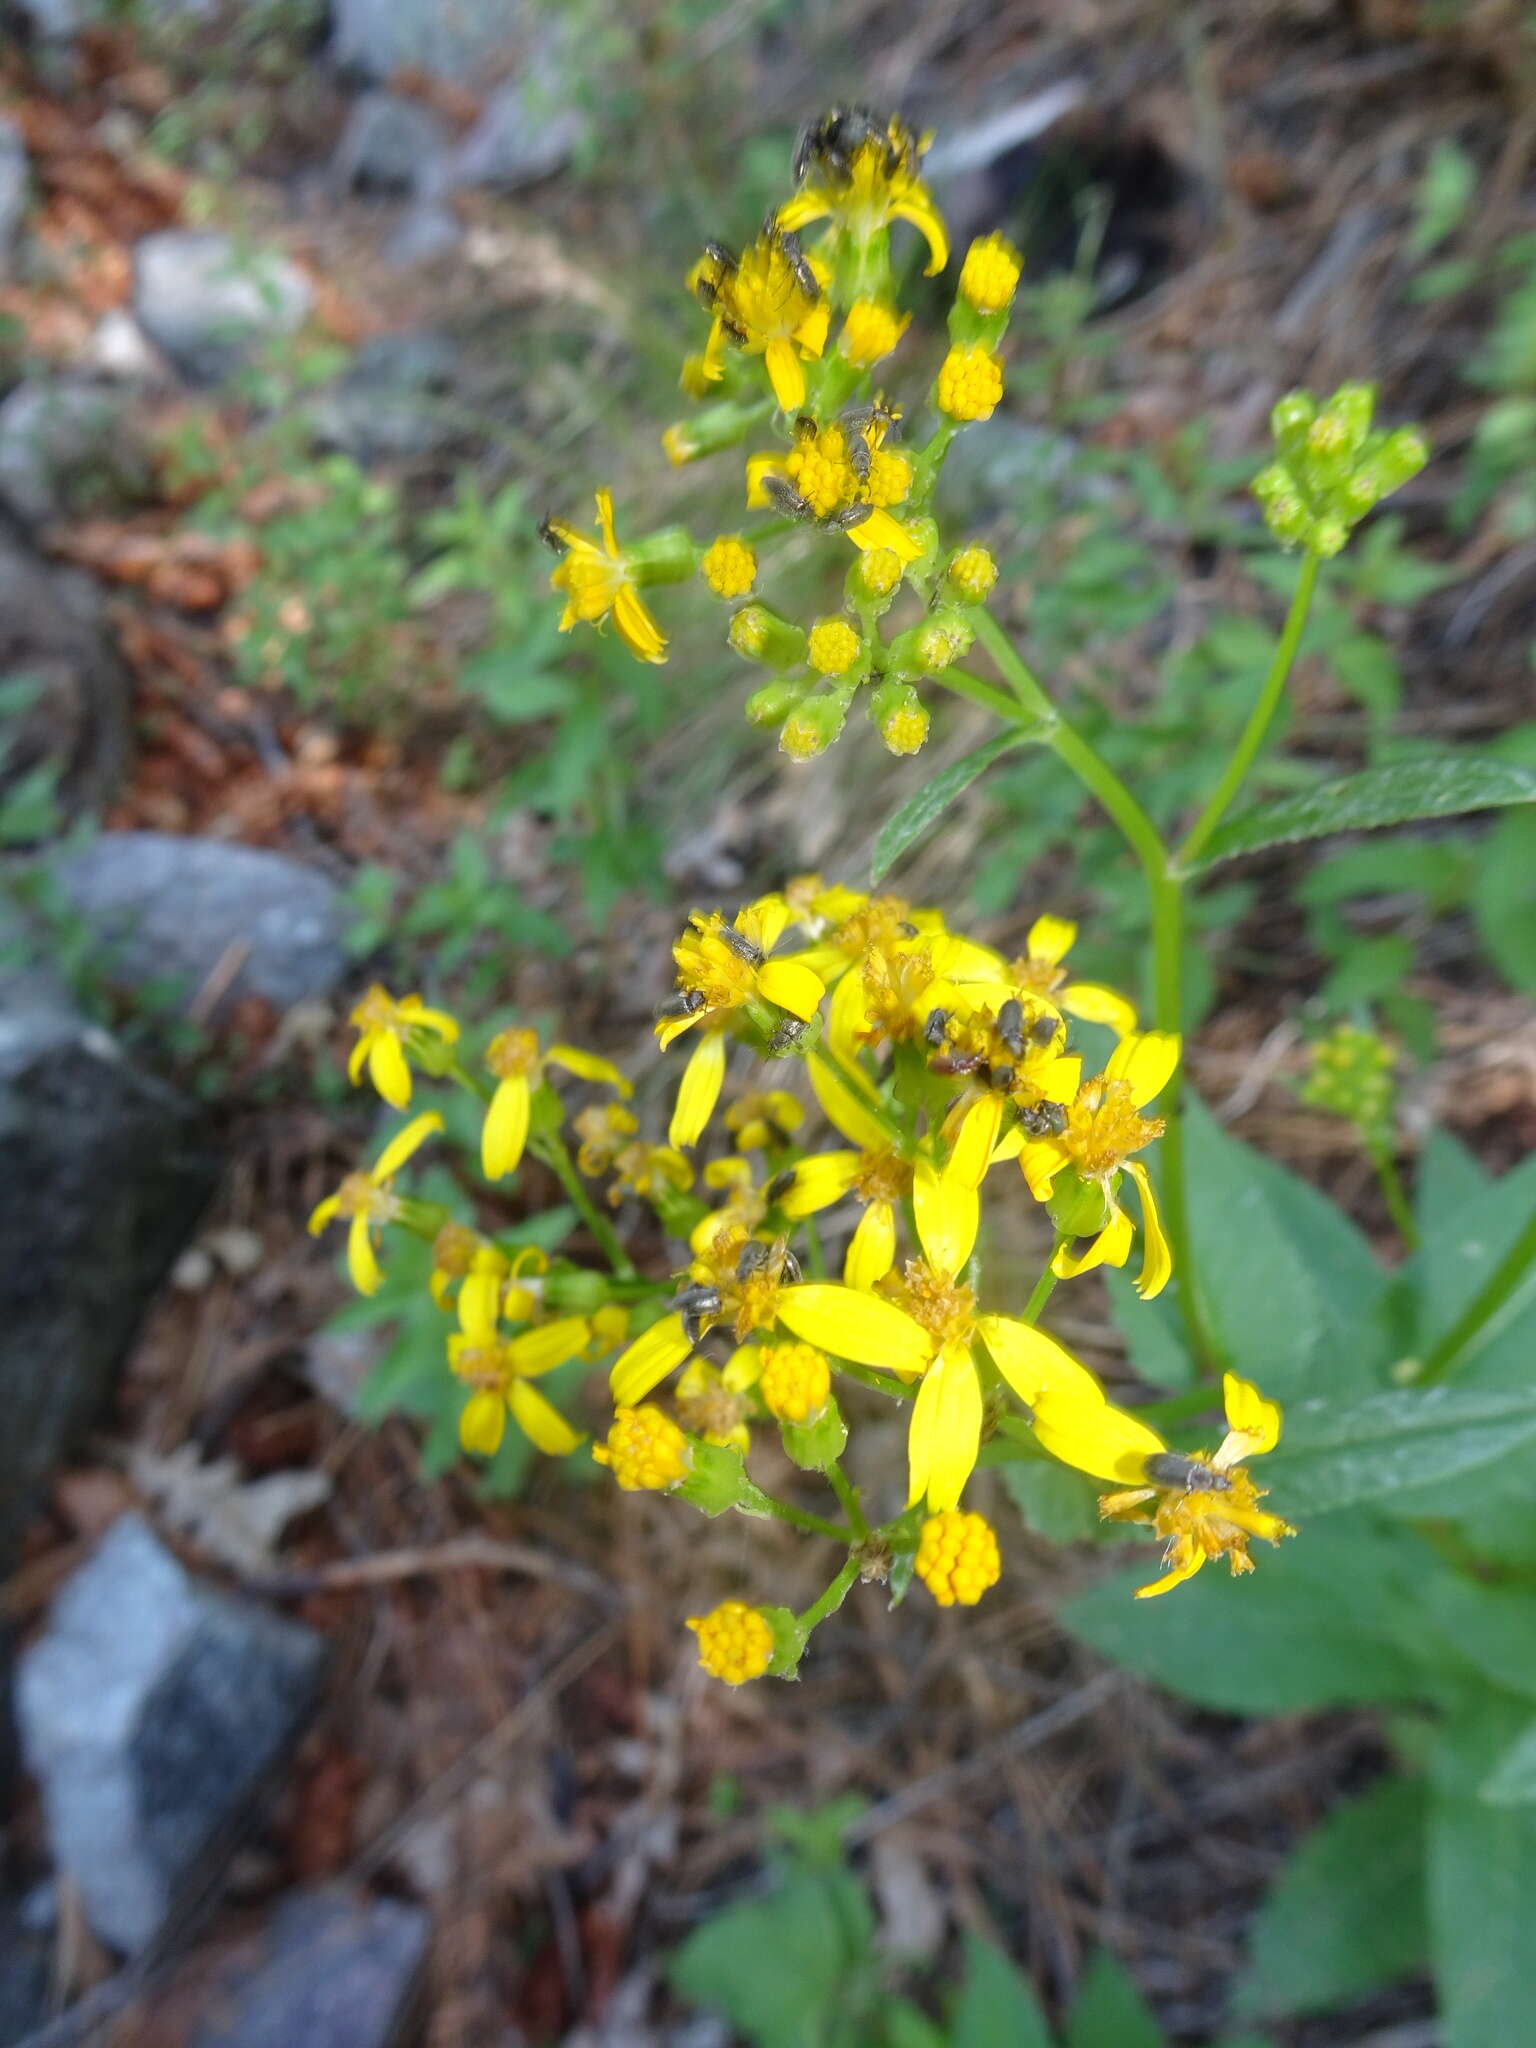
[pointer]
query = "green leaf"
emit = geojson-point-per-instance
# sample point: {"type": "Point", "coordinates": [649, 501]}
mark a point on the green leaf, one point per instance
{"type": "Point", "coordinates": [1491, 1628]}
{"type": "Point", "coordinates": [1337, 1455]}
{"type": "Point", "coordinates": [1446, 191]}
{"type": "Point", "coordinates": [1154, 1336]}
{"type": "Point", "coordinates": [995, 2003]}
{"type": "Point", "coordinates": [1057, 1503]}
{"type": "Point", "coordinates": [1467, 1226]}
{"type": "Point", "coordinates": [1503, 901]}
{"type": "Point", "coordinates": [1512, 1781]}
{"type": "Point", "coordinates": [1438, 787]}
{"type": "Point", "coordinates": [1482, 1879]}
{"type": "Point", "coordinates": [1109, 2012]}
{"type": "Point", "coordinates": [1346, 1914]}
{"type": "Point", "coordinates": [920, 813]}
{"type": "Point", "coordinates": [1322, 1620]}
{"type": "Point", "coordinates": [513, 690]}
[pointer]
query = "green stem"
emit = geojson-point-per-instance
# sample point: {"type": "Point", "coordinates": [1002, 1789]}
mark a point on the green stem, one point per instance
{"type": "Point", "coordinates": [1259, 719]}
{"type": "Point", "coordinates": [550, 1147]}
{"type": "Point", "coordinates": [1502, 1285]}
{"type": "Point", "coordinates": [848, 1494]}
{"type": "Point", "coordinates": [882, 1382]}
{"type": "Point", "coordinates": [1394, 1195]}
{"type": "Point", "coordinates": [1045, 1287]}
{"type": "Point", "coordinates": [754, 1501]}
{"type": "Point", "coordinates": [964, 684]}
{"type": "Point", "coordinates": [832, 1599]}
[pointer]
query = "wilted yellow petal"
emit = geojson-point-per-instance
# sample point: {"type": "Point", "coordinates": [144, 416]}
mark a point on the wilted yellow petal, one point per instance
{"type": "Point", "coordinates": [1156, 1258]}
{"type": "Point", "coordinates": [1112, 1247]}
{"type": "Point", "coordinates": [1186, 1560]}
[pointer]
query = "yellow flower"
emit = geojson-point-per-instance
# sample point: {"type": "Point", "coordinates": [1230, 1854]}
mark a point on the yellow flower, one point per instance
{"type": "Point", "coordinates": [645, 1449]}
{"type": "Point", "coordinates": [970, 384]}
{"type": "Point", "coordinates": [957, 1557]}
{"type": "Point", "coordinates": [1041, 968]}
{"type": "Point", "coordinates": [385, 1029]}
{"type": "Point", "coordinates": [870, 332]}
{"type": "Point", "coordinates": [722, 968]}
{"type": "Point", "coordinates": [874, 1171]}
{"type": "Point", "coordinates": [597, 578]}
{"type": "Point", "coordinates": [1204, 1506]}
{"type": "Point", "coordinates": [711, 1404]}
{"type": "Point", "coordinates": [930, 1331]}
{"type": "Point", "coordinates": [834, 647]}
{"type": "Point", "coordinates": [863, 183]}
{"type": "Point", "coordinates": [794, 1380]}
{"type": "Point", "coordinates": [990, 274]}
{"type": "Point", "coordinates": [728, 566]}
{"type": "Point", "coordinates": [368, 1201]}
{"type": "Point", "coordinates": [768, 302]}
{"type": "Point", "coordinates": [972, 572]}
{"type": "Point", "coordinates": [735, 1641]}
{"type": "Point", "coordinates": [498, 1368]}
{"type": "Point", "coordinates": [514, 1058]}
{"type": "Point", "coordinates": [764, 1117]}
{"type": "Point", "coordinates": [816, 479]}
{"type": "Point", "coordinates": [743, 1209]}
{"type": "Point", "coordinates": [1104, 1126]}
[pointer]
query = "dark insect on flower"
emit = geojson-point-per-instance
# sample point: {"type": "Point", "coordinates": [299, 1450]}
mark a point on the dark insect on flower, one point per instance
{"type": "Point", "coordinates": [1167, 1468]}
{"type": "Point", "coordinates": [847, 518]}
{"type": "Point", "coordinates": [955, 1063]}
{"type": "Point", "coordinates": [550, 537]}
{"type": "Point", "coordinates": [832, 140]}
{"type": "Point", "coordinates": [1044, 1028]}
{"type": "Point", "coordinates": [697, 1305]}
{"type": "Point", "coordinates": [686, 1003]}
{"type": "Point", "coordinates": [1001, 1078]}
{"type": "Point", "coordinates": [779, 1186]}
{"type": "Point", "coordinates": [787, 498]}
{"type": "Point", "coordinates": [787, 1034]}
{"type": "Point", "coordinates": [864, 428]}
{"type": "Point", "coordinates": [754, 1256]}
{"type": "Point", "coordinates": [1010, 1026]}
{"type": "Point", "coordinates": [935, 1026]}
{"type": "Point", "coordinates": [743, 947]}
{"type": "Point", "coordinates": [796, 258]}
{"type": "Point", "coordinates": [1044, 1119]}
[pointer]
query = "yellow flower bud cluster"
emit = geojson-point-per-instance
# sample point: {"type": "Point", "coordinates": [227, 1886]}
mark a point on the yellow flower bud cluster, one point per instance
{"type": "Point", "coordinates": [958, 1558]}
{"type": "Point", "coordinates": [735, 1641]}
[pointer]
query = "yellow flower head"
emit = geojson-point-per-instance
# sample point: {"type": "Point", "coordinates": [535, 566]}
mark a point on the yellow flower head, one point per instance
{"type": "Point", "coordinates": [386, 1030]}
{"type": "Point", "coordinates": [904, 723]}
{"type": "Point", "coordinates": [834, 647]}
{"type": "Point", "coordinates": [990, 274]}
{"type": "Point", "coordinates": [972, 573]}
{"type": "Point", "coordinates": [823, 477]}
{"type": "Point", "coordinates": [795, 1381]}
{"type": "Point", "coordinates": [368, 1201]}
{"type": "Point", "coordinates": [646, 1450]}
{"type": "Point", "coordinates": [597, 579]}
{"type": "Point", "coordinates": [770, 302]}
{"type": "Point", "coordinates": [497, 1368]}
{"type": "Point", "coordinates": [603, 1130]}
{"type": "Point", "coordinates": [1203, 1506]}
{"type": "Point", "coordinates": [518, 1065]}
{"type": "Point", "coordinates": [879, 571]}
{"type": "Point", "coordinates": [970, 383]}
{"type": "Point", "coordinates": [862, 174]}
{"type": "Point", "coordinates": [1042, 969]}
{"type": "Point", "coordinates": [764, 1117]}
{"type": "Point", "coordinates": [729, 566]}
{"type": "Point", "coordinates": [957, 1558]}
{"type": "Point", "coordinates": [870, 332]}
{"type": "Point", "coordinates": [735, 1641]}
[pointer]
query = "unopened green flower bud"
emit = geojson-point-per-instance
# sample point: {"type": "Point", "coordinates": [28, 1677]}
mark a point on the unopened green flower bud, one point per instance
{"type": "Point", "coordinates": [813, 1446]}
{"type": "Point", "coordinates": [1329, 536]}
{"type": "Point", "coordinates": [761, 635]}
{"type": "Point", "coordinates": [811, 729]}
{"type": "Point", "coordinates": [1351, 1077]}
{"type": "Point", "coordinates": [1290, 419]}
{"type": "Point", "coordinates": [972, 573]}
{"type": "Point", "coordinates": [875, 576]}
{"type": "Point", "coordinates": [665, 557]}
{"type": "Point", "coordinates": [1077, 1207]}
{"type": "Point", "coordinates": [773, 703]}
{"type": "Point", "coordinates": [901, 716]}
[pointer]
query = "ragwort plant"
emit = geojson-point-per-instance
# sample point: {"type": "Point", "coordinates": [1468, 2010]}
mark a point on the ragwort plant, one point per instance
{"type": "Point", "coordinates": [835, 1263]}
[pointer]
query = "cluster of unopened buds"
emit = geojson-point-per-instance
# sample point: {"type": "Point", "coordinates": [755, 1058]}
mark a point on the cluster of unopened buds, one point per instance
{"type": "Point", "coordinates": [816, 1278]}
{"type": "Point", "coordinates": [799, 340]}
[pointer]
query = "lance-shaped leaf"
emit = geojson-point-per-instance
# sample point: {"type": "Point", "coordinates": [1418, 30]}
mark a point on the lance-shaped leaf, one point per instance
{"type": "Point", "coordinates": [1337, 1456]}
{"type": "Point", "coordinates": [920, 813]}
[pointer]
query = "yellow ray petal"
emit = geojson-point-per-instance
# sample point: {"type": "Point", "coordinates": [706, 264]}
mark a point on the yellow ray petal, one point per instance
{"type": "Point", "coordinates": [505, 1130]}
{"type": "Point", "coordinates": [1096, 1004]}
{"type": "Point", "coordinates": [863, 1327]}
{"type": "Point", "coordinates": [811, 202]}
{"type": "Point", "coordinates": [646, 1363]}
{"type": "Point", "coordinates": [918, 208]}
{"type": "Point", "coordinates": [362, 1262]}
{"type": "Point", "coordinates": [1050, 939]}
{"type": "Point", "coordinates": [483, 1423]}
{"type": "Point", "coordinates": [1094, 1436]}
{"type": "Point", "coordinates": [972, 1153]}
{"type": "Point", "coordinates": [404, 1144]}
{"type": "Point", "coordinates": [872, 1248]}
{"type": "Point", "coordinates": [1253, 1424]}
{"type": "Point", "coordinates": [820, 1181]}
{"type": "Point", "coordinates": [323, 1213]}
{"type": "Point", "coordinates": [945, 1433]}
{"type": "Point", "coordinates": [1147, 1060]}
{"type": "Point", "coordinates": [540, 1422]}
{"type": "Point", "coordinates": [480, 1304]}
{"type": "Point", "coordinates": [848, 1103]}
{"type": "Point", "coordinates": [1156, 1257]}
{"type": "Point", "coordinates": [1042, 1159]}
{"type": "Point", "coordinates": [605, 521]}
{"type": "Point", "coordinates": [880, 530]}
{"type": "Point", "coordinates": [948, 1214]}
{"type": "Point", "coordinates": [637, 627]}
{"type": "Point", "coordinates": [587, 1066]}
{"type": "Point", "coordinates": [388, 1070]}
{"type": "Point", "coordinates": [1112, 1247]}
{"type": "Point", "coordinates": [699, 1090]}
{"type": "Point", "coordinates": [1186, 1560]}
{"type": "Point", "coordinates": [439, 1021]}
{"type": "Point", "coordinates": [792, 986]}
{"type": "Point", "coordinates": [785, 374]}
{"type": "Point", "coordinates": [1031, 1362]}
{"type": "Point", "coordinates": [551, 1344]}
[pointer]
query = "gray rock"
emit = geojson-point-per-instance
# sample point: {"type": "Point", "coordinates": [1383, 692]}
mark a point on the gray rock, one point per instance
{"type": "Point", "coordinates": [211, 304]}
{"type": "Point", "coordinates": [463, 40]}
{"type": "Point", "coordinates": [24, 1978]}
{"type": "Point", "coordinates": [69, 448]}
{"type": "Point", "coordinates": [428, 231]}
{"type": "Point", "coordinates": [528, 130]}
{"type": "Point", "coordinates": [334, 1969]}
{"type": "Point", "coordinates": [103, 1174]}
{"type": "Point", "coordinates": [119, 349]}
{"type": "Point", "coordinates": [392, 403]}
{"type": "Point", "coordinates": [153, 1712]}
{"type": "Point", "coordinates": [15, 187]}
{"type": "Point", "coordinates": [53, 634]}
{"type": "Point", "coordinates": [172, 910]}
{"type": "Point", "coordinates": [391, 144]}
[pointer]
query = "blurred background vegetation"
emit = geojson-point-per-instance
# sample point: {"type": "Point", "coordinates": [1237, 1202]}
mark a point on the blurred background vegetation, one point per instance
{"type": "Point", "coordinates": [307, 315]}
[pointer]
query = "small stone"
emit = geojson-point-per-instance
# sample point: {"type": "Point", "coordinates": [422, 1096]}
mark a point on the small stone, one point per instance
{"type": "Point", "coordinates": [428, 231]}
{"type": "Point", "coordinates": [462, 41]}
{"type": "Point", "coordinates": [332, 1969]}
{"type": "Point", "coordinates": [172, 911]}
{"type": "Point", "coordinates": [391, 144]}
{"type": "Point", "coordinates": [15, 189]}
{"type": "Point", "coordinates": [209, 303]}
{"type": "Point", "coordinates": [393, 402]}
{"type": "Point", "coordinates": [152, 1711]}
{"type": "Point", "coordinates": [68, 449]}
{"type": "Point", "coordinates": [122, 352]}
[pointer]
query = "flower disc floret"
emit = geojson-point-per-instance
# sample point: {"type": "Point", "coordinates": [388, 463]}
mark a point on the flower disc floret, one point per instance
{"type": "Point", "coordinates": [834, 647]}
{"type": "Point", "coordinates": [645, 1450]}
{"type": "Point", "coordinates": [735, 1641]}
{"type": "Point", "coordinates": [795, 1381]}
{"type": "Point", "coordinates": [990, 274]}
{"type": "Point", "coordinates": [970, 383]}
{"type": "Point", "coordinates": [957, 1557]}
{"type": "Point", "coordinates": [870, 332]}
{"type": "Point", "coordinates": [728, 566]}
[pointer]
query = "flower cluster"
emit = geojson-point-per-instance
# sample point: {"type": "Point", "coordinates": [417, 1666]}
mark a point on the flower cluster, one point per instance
{"type": "Point", "coordinates": [830, 1232]}
{"type": "Point", "coordinates": [802, 324]}
{"type": "Point", "coordinates": [1331, 468]}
